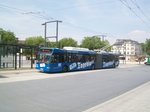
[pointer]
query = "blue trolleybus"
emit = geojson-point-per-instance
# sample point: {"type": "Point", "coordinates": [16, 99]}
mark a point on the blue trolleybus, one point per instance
{"type": "Point", "coordinates": [72, 59]}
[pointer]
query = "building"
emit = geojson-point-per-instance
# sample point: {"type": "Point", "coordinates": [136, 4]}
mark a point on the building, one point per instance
{"type": "Point", "coordinates": [128, 48]}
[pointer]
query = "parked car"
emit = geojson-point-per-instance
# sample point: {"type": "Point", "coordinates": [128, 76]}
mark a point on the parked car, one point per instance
{"type": "Point", "coordinates": [147, 61]}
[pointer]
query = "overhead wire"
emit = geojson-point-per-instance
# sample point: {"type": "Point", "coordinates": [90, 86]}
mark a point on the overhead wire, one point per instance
{"type": "Point", "coordinates": [82, 6]}
{"type": "Point", "coordinates": [39, 15]}
{"type": "Point", "coordinates": [21, 11]}
{"type": "Point", "coordinates": [125, 3]}
{"type": "Point", "coordinates": [140, 9]}
{"type": "Point", "coordinates": [81, 28]}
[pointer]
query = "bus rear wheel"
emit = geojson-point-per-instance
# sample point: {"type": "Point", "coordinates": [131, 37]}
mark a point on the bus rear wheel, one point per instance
{"type": "Point", "coordinates": [114, 65]}
{"type": "Point", "coordinates": [93, 67]}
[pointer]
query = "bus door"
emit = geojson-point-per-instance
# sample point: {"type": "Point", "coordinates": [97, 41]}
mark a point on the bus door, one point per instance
{"type": "Point", "coordinates": [98, 61]}
{"type": "Point", "coordinates": [71, 61]}
{"type": "Point", "coordinates": [56, 64]}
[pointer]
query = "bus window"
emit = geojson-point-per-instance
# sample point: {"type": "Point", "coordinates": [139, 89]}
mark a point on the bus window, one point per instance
{"type": "Point", "coordinates": [59, 57]}
{"type": "Point", "coordinates": [105, 58]}
{"type": "Point", "coordinates": [79, 57]}
{"type": "Point", "coordinates": [111, 57]}
{"type": "Point", "coordinates": [64, 57]}
{"type": "Point", "coordinates": [74, 57]}
{"type": "Point", "coordinates": [69, 57]}
{"type": "Point", "coordinates": [83, 58]}
{"type": "Point", "coordinates": [92, 57]}
{"type": "Point", "coordinates": [55, 58]}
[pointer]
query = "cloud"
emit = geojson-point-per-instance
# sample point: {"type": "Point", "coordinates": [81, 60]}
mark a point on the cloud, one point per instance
{"type": "Point", "coordinates": [83, 6]}
{"type": "Point", "coordinates": [138, 35]}
{"type": "Point", "coordinates": [22, 25]}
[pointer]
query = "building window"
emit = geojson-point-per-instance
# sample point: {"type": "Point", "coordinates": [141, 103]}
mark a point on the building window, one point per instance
{"type": "Point", "coordinates": [132, 53]}
{"type": "Point", "coordinates": [132, 48]}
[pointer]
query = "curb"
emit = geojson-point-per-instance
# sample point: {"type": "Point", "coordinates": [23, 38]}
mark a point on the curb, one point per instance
{"type": "Point", "coordinates": [17, 71]}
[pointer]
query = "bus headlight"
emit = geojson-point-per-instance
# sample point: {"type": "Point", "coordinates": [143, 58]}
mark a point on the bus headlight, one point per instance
{"type": "Point", "coordinates": [48, 67]}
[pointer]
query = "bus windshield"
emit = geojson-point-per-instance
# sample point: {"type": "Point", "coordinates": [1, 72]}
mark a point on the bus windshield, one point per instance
{"type": "Point", "coordinates": [45, 58]}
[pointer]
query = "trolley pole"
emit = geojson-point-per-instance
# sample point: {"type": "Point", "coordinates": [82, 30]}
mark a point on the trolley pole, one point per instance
{"type": "Point", "coordinates": [45, 31]}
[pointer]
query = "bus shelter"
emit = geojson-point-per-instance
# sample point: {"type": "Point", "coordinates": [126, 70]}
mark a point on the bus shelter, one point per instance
{"type": "Point", "coordinates": [15, 56]}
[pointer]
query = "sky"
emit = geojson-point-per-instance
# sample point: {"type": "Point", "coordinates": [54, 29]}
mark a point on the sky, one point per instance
{"type": "Point", "coordinates": [116, 19]}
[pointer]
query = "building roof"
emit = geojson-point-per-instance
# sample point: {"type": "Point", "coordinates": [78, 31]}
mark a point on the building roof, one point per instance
{"type": "Point", "coordinates": [122, 41]}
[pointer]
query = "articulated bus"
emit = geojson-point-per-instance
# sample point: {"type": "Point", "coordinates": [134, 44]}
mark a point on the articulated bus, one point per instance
{"type": "Point", "coordinates": [72, 59]}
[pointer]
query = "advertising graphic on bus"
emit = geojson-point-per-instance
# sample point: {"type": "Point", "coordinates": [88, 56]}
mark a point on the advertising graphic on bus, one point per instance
{"type": "Point", "coordinates": [72, 59]}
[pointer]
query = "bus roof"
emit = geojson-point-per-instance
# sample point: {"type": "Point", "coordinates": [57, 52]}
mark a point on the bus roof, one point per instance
{"type": "Point", "coordinates": [57, 50]}
{"type": "Point", "coordinates": [107, 53]}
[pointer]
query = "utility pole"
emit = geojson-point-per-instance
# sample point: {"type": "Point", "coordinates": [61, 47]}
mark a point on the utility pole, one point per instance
{"type": "Point", "coordinates": [103, 37]}
{"type": "Point", "coordinates": [45, 31]}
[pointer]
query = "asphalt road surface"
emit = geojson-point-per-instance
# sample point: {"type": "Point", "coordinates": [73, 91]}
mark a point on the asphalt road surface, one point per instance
{"type": "Point", "coordinates": [74, 93]}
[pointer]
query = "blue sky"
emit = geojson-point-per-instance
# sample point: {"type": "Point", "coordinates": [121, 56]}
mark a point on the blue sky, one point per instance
{"type": "Point", "coordinates": [79, 18]}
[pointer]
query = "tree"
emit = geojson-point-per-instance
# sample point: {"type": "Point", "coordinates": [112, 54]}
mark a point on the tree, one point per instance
{"type": "Point", "coordinates": [37, 40]}
{"type": "Point", "coordinates": [67, 42]}
{"type": "Point", "coordinates": [106, 45]}
{"type": "Point", "coordinates": [7, 36]}
{"type": "Point", "coordinates": [52, 44]}
{"type": "Point", "coordinates": [147, 46]}
{"type": "Point", "coordinates": [93, 42]}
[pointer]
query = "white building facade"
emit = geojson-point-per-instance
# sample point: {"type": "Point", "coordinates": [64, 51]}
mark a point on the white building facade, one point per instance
{"type": "Point", "coordinates": [128, 48]}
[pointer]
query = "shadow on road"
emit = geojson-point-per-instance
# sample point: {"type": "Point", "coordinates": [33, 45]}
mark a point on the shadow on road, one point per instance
{"type": "Point", "coordinates": [2, 76]}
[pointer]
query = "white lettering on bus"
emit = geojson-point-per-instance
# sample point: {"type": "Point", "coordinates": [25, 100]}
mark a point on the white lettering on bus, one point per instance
{"type": "Point", "coordinates": [84, 65]}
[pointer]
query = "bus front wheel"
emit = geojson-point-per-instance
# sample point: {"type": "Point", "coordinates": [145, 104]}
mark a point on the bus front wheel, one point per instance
{"type": "Point", "coordinates": [65, 69]}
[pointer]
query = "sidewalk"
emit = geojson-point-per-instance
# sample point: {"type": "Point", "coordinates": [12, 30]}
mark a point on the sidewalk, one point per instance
{"type": "Point", "coordinates": [18, 71]}
{"type": "Point", "coordinates": [133, 63]}
{"type": "Point", "coordinates": [136, 100]}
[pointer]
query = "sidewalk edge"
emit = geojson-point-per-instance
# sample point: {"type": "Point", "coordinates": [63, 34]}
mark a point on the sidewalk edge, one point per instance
{"type": "Point", "coordinates": [96, 108]}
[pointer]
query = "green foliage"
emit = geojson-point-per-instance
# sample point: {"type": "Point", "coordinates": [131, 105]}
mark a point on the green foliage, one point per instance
{"type": "Point", "coordinates": [93, 42]}
{"type": "Point", "coordinates": [37, 40]}
{"type": "Point", "coordinates": [67, 42]}
{"type": "Point", "coordinates": [52, 44]}
{"type": "Point", "coordinates": [147, 46]}
{"type": "Point", "coordinates": [7, 36]}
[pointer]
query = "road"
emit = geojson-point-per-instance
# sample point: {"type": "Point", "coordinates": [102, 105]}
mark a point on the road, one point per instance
{"type": "Point", "coordinates": [74, 93]}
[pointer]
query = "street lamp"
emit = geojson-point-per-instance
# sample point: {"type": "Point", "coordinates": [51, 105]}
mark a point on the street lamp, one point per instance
{"type": "Point", "coordinates": [124, 51]}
